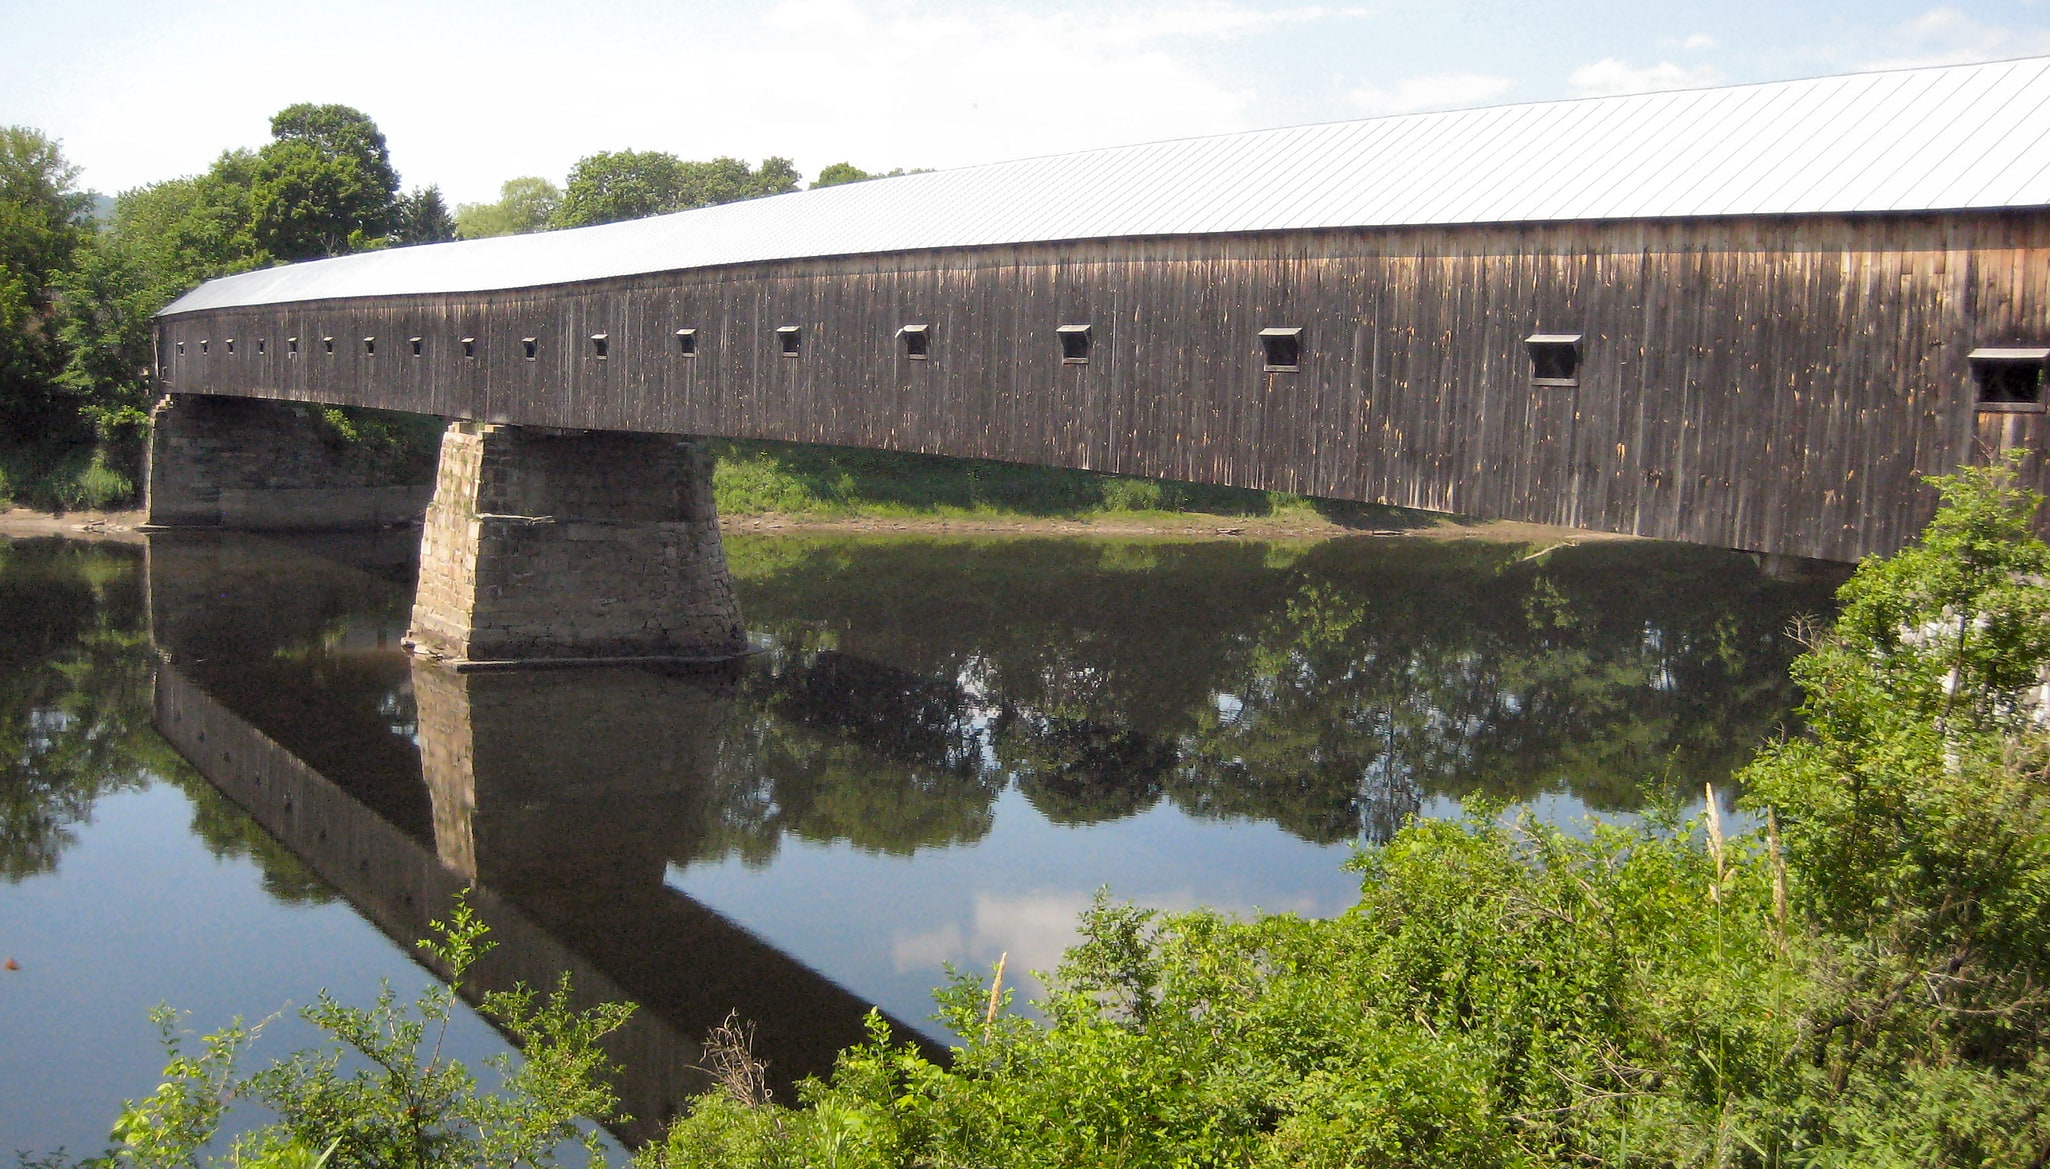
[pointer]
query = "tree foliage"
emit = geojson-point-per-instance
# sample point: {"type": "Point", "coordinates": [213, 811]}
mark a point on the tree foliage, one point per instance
{"type": "Point", "coordinates": [77, 306]}
{"type": "Point", "coordinates": [617, 185]}
{"type": "Point", "coordinates": [423, 218]}
{"type": "Point", "coordinates": [524, 204]}
{"type": "Point", "coordinates": [834, 174]}
{"type": "Point", "coordinates": [43, 221]}
{"type": "Point", "coordinates": [397, 1103]}
{"type": "Point", "coordinates": [324, 186]}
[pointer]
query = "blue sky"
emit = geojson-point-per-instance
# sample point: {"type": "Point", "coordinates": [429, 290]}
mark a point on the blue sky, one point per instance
{"type": "Point", "coordinates": [471, 93]}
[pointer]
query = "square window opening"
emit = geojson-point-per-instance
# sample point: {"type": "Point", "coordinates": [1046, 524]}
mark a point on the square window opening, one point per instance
{"type": "Point", "coordinates": [469, 345]}
{"type": "Point", "coordinates": [2009, 380]}
{"type": "Point", "coordinates": [181, 348]}
{"type": "Point", "coordinates": [917, 342]}
{"type": "Point", "coordinates": [600, 346]}
{"type": "Point", "coordinates": [1554, 358]}
{"type": "Point", "coordinates": [328, 343]}
{"type": "Point", "coordinates": [1282, 350]}
{"type": "Point", "coordinates": [1074, 344]}
{"type": "Point", "coordinates": [370, 347]}
{"type": "Point", "coordinates": [230, 343]}
{"type": "Point", "coordinates": [205, 348]}
{"type": "Point", "coordinates": [791, 338]}
{"type": "Point", "coordinates": [291, 347]}
{"type": "Point", "coordinates": [687, 342]}
{"type": "Point", "coordinates": [530, 346]}
{"type": "Point", "coordinates": [419, 344]}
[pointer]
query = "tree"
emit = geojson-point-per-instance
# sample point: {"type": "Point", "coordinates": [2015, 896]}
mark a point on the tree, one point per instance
{"type": "Point", "coordinates": [631, 184]}
{"type": "Point", "coordinates": [524, 204]}
{"type": "Point", "coordinates": [325, 185]}
{"type": "Point", "coordinates": [337, 131]}
{"type": "Point", "coordinates": [424, 218]}
{"type": "Point", "coordinates": [187, 231]}
{"type": "Point", "coordinates": [107, 326]}
{"type": "Point", "coordinates": [42, 222]}
{"type": "Point", "coordinates": [837, 173]}
{"type": "Point", "coordinates": [310, 205]}
{"type": "Point", "coordinates": [840, 172]}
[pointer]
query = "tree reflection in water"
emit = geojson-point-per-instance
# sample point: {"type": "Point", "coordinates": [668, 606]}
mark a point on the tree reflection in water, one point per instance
{"type": "Point", "coordinates": [75, 711]}
{"type": "Point", "coordinates": [1333, 689]}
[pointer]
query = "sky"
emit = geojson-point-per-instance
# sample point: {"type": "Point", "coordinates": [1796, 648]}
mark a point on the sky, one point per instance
{"type": "Point", "coordinates": [471, 93]}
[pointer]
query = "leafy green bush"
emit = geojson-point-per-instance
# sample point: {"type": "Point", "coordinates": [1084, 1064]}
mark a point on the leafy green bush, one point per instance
{"type": "Point", "coordinates": [399, 1104]}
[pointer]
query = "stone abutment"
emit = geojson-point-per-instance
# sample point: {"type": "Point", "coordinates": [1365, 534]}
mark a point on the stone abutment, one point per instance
{"type": "Point", "coordinates": [539, 547]}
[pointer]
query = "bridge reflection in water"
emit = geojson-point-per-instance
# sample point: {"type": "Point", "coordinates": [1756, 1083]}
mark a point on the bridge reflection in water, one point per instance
{"type": "Point", "coordinates": [558, 797]}
{"type": "Point", "coordinates": [916, 696]}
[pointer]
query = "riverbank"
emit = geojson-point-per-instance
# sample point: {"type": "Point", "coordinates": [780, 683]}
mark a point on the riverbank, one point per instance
{"type": "Point", "coordinates": [1293, 525]}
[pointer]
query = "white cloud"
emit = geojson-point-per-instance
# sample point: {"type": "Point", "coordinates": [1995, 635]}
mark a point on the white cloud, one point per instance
{"type": "Point", "coordinates": [1699, 42]}
{"type": "Point", "coordinates": [1611, 76]}
{"type": "Point", "coordinates": [1433, 91]}
{"type": "Point", "coordinates": [1947, 36]}
{"type": "Point", "coordinates": [1031, 932]}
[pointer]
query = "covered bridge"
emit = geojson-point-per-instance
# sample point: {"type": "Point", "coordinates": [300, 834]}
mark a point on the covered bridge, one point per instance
{"type": "Point", "coordinates": [1749, 316]}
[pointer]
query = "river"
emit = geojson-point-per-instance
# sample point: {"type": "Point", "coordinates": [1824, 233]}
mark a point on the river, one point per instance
{"type": "Point", "coordinates": [227, 788]}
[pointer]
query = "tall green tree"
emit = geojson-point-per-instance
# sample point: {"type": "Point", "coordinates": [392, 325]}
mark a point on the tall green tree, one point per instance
{"type": "Point", "coordinates": [423, 218]}
{"type": "Point", "coordinates": [524, 204]}
{"type": "Point", "coordinates": [631, 184]}
{"type": "Point", "coordinates": [337, 131]}
{"type": "Point", "coordinates": [324, 194]}
{"type": "Point", "coordinates": [43, 220]}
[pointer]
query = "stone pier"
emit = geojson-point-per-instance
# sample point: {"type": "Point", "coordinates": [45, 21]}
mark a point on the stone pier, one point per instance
{"type": "Point", "coordinates": [258, 465]}
{"type": "Point", "coordinates": [586, 546]}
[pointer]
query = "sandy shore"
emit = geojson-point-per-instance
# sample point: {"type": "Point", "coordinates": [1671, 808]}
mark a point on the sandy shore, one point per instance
{"type": "Point", "coordinates": [21, 522]}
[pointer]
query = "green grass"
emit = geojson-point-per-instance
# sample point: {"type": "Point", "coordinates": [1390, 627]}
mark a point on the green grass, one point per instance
{"type": "Point", "coordinates": [755, 478]}
{"type": "Point", "coordinates": [68, 478]}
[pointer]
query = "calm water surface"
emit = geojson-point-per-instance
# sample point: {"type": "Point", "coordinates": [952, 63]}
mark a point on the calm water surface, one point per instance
{"type": "Point", "coordinates": [225, 787]}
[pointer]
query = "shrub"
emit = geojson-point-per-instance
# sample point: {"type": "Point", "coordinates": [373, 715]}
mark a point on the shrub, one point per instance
{"type": "Point", "coordinates": [400, 1105]}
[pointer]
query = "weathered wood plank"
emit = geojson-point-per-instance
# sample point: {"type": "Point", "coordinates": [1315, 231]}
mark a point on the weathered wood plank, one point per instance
{"type": "Point", "coordinates": [1779, 385]}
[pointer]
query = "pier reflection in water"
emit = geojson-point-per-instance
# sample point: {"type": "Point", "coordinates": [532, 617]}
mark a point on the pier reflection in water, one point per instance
{"type": "Point", "coordinates": [946, 747]}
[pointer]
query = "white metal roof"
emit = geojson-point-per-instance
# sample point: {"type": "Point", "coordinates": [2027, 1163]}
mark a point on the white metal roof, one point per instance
{"type": "Point", "coordinates": [1948, 138]}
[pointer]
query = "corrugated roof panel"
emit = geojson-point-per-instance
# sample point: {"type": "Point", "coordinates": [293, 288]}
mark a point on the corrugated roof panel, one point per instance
{"type": "Point", "coordinates": [1779, 155]}
{"type": "Point", "coordinates": [1964, 136]}
{"type": "Point", "coordinates": [1985, 149]}
{"type": "Point", "coordinates": [1846, 156]}
{"type": "Point", "coordinates": [2009, 186]}
{"type": "Point", "coordinates": [1900, 161]}
{"type": "Point", "coordinates": [1643, 137]}
{"type": "Point", "coordinates": [1722, 153]}
{"type": "Point", "coordinates": [1523, 140]}
{"type": "Point", "coordinates": [1559, 135]}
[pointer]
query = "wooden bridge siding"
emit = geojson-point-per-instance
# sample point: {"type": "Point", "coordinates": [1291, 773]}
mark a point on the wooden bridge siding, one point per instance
{"type": "Point", "coordinates": [1763, 384]}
